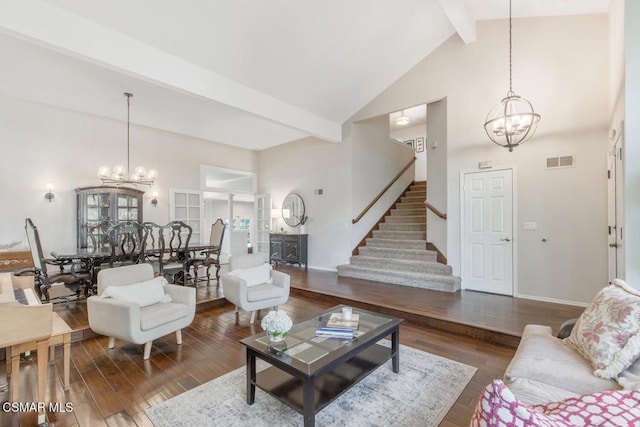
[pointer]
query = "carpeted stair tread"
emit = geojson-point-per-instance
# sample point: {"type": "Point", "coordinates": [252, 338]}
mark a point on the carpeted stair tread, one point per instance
{"type": "Point", "coordinates": [399, 253]}
{"type": "Point", "coordinates": [403, 226]}
{"type": "Point", "coordinates": [408, 212]}
{"type": "Point", "coordinates": [404, 278]}
{"type": "Point", "coordinates": [401, 264]}
{"type": "Point", "coordinates": [400, 234]}
{"type": "Point", "coordinates": [406, 218]}
{"type": "Point", "coordinates": [396, 243]}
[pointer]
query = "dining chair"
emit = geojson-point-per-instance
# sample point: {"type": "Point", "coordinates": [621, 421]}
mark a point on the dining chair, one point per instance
{"type": "Point", "coordinates": [126, 242]}
{"type": "Point", "coordinates": [210, 257]}
{"type": "Point", "coordinates": [174, 252]}
{"type": "Point", "coordinates": [74, 276]}
{"type": "Point", "coordinates": [97, 237]}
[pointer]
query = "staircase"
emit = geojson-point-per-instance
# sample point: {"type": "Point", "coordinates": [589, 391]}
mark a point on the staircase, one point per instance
{"type": "Point", "coordinates": [397, 251]}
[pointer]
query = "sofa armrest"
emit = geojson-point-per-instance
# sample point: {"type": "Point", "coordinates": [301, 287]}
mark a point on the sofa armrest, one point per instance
{"type": "Point", "coordinates": [112, 317]}
{"type": "Point", "coordinates": [566, 328]}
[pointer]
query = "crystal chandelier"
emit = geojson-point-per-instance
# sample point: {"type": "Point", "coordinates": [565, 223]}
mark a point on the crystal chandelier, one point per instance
{"type": "Point", "coordinates": [119, 174]}
{"type": "Point", "coordinates": [513, 121]}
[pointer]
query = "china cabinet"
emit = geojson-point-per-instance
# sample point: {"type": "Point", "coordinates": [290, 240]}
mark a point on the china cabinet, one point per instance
{"type": "Point", "coordinates": [102, 206]}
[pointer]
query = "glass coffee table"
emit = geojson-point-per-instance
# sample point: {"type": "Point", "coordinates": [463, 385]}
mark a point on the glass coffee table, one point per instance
{"type": "Point", "coordinates": [308, 372]}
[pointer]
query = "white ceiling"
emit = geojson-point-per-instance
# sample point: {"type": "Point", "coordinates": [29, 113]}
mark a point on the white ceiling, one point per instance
{"type": "Point", "coordinates": [249, 73]}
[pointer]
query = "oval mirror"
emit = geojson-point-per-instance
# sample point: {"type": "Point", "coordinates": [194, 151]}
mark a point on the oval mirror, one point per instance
{"type": "Point", "coordinates": [292, 209]}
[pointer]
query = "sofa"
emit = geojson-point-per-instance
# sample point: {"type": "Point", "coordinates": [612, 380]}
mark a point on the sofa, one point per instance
{"type": "Point", "coordinates": [592, 376]}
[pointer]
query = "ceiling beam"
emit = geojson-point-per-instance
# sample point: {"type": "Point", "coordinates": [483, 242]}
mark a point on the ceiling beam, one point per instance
{"type": "Point", "coordinates": [50, 26]}
{"type": "Point", "coordinates": [460, 17]}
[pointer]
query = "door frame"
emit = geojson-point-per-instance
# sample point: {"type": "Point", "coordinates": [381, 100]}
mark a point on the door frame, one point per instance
{"type": "Point", "coordinates": [615, 213]}
{"type": "Point", "coordinates": [514, 224]}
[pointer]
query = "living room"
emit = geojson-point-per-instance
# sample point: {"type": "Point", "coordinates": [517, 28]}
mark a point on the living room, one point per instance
{"type": "Point", "coordinates": [568, 66]}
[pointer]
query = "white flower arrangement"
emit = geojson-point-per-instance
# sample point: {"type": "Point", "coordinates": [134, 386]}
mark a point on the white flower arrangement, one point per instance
{"type": "Point", "coordinates": [276, 321]}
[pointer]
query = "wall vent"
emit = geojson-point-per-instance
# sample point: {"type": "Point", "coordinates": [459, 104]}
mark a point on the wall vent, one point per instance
{"type": "Point", "coordinates": [561, 162]}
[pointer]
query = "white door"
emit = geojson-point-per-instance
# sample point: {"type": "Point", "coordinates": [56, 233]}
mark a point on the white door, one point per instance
{"type": "Point", "coordinates": [186, 206]}
{"type": "Point", "coordinates": [487, 247]}
{"type": "Point", "coordinates": [262, 225]}
{"type": "Point", "coordinates": [616, 210]}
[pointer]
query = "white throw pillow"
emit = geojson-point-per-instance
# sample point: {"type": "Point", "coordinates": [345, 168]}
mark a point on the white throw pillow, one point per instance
{"type": "Point", "coordinates": [254, 275]}
{"type": "Point", "coordinates": [143, 293]}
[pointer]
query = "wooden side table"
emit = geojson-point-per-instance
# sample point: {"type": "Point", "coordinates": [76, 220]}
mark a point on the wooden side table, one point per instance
{"type": "Point", "coordinates": [36, 327]}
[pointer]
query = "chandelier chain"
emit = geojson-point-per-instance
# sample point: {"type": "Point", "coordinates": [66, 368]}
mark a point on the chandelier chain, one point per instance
{"type": "Point", "coordinates": [510, 54]}
{"type": "Point", "coordinates": [128, 95]}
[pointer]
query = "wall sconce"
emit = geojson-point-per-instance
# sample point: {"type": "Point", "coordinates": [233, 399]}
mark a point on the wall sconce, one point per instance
{"type": "Point", "coordinates": [49, 194]}
{"type": "Point", "coordinates": [154, 201]}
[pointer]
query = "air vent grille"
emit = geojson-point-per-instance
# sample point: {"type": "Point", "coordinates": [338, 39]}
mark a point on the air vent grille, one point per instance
{"type": "Point", "coordinates": [561, 162]}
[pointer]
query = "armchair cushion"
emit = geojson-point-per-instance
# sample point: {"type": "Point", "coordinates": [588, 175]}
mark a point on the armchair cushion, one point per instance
{"type": "Point", "coordinates": [263, 292]}
{"type": "Point", "coordinates": [159, 314]}
{"type": "Point", "coordinates": [255, 275]}
{"type": "Point", "coordinates": [144, 293]}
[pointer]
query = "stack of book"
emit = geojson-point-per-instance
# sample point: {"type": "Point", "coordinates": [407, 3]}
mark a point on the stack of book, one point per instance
{"type": "Point", "coordinates": [333, 326]}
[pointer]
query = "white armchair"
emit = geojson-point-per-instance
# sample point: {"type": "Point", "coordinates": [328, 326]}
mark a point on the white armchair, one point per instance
{"type": "Point", "coordinates": [252, 285]}
{"type": "Point", "coordinates": [133, 306]}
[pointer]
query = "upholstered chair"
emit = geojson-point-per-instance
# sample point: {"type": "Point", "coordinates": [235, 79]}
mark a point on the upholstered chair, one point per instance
{"type": "Point", "coordinates": [133, 306]}
{"type": "Point", "coordinates": [252, 284]}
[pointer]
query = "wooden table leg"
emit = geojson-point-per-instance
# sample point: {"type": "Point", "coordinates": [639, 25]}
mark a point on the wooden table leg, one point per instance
{"type": "Point", "coordinates": [15, 375]}
{"type": "Point", "coordinates": [43, 352]}
{"type": "Point", "coordinates": [66, 359]}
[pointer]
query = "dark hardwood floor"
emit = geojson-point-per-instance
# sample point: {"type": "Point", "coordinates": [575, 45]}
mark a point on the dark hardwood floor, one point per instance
{"type": "Point", "coordinates": [113, 387]}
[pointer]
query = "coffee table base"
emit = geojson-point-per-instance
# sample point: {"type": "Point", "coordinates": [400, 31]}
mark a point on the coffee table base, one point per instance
{"type": "Point", "coordinates": [308, 395]}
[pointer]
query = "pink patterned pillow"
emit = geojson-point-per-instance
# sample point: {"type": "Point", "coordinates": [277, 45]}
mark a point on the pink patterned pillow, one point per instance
{"type": "Point", "coordinates": [498, 406]}
{"type": "Point", "coordinates": [607, 333]}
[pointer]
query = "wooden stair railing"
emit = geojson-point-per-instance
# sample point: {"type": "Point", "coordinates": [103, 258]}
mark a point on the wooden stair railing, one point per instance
{"type": "Point", "coordinates": [435, 210]}
{"type": "Point", "coordinates": [373, 202]}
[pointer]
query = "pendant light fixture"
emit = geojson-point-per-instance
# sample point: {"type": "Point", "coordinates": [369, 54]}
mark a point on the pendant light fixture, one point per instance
{"type": "Point", "coordinates": [513, 121]}
{"type": "Point", "coordinates": [118, 175]}
{"type": "Point", "coordinates": [402, 120]}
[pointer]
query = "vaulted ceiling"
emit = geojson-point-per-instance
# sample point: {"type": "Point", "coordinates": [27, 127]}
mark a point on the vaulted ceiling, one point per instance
{"type": "Point", "coordinates": [249, 73]}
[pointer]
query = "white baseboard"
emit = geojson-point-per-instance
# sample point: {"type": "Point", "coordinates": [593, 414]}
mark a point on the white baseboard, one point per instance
{"type": "Point", "coordinates": [554, 300]}
{"type": "Point", "coordinates": [333, 270]}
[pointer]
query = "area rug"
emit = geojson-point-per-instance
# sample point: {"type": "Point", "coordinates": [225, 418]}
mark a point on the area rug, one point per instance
{"type": "Point", "coordinates": [420, 395]}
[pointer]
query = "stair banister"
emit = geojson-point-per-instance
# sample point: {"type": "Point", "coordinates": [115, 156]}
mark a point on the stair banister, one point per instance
{"type": "Point", "coordinates": [435, 210]}
{"type": "Point", "coordinates": [373, 202]}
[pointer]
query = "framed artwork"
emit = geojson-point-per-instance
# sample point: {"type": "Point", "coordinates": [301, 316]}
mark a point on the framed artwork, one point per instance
{"type": "Point", "coordinates": [420, 145]}
{"type": "Point", "coordinates": [409, 142]}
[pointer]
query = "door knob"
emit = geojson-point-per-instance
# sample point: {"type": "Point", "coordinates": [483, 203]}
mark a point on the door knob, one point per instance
{"type": "Point", "coordinates": [506, 239]}
{"type": "Point", "coordinates": [613, 245]}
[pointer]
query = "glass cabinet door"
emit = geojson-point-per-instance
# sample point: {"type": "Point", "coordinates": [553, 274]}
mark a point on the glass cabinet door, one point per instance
{"type": "Point", "coordinates": [101, 207]}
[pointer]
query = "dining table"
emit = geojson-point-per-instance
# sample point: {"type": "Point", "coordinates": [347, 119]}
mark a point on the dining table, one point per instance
{"type": "Point", "coordinates": [94, 259]}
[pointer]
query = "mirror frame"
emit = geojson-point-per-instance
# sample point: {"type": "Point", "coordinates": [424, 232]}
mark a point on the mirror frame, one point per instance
{"type": "Point", "coordinates": [292, 199]}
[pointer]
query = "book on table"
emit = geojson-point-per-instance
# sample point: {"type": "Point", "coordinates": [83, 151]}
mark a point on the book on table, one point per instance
{"type": "Point", "coordinates": [334, 326]}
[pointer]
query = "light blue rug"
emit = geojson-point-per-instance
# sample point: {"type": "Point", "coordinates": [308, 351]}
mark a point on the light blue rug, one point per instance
{"type": "Point", "coordinates": [420, 395]}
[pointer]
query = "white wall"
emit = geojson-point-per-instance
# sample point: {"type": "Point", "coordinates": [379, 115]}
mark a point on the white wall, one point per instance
{"type": "Point", "coordinates": [350, 174]}
{"type": "Point", "coordinates": [413, 132]}
{"type": "Point", "coordinates": [375, 161]}
{"type": "Point", "coordinates": [436, 169]}
{"type": "Point", "coordinates": [560, 65]}
{"type": "Point", "coordinates": [45, 144]}
{"type": "Point", "coordinates": [303, 167]}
